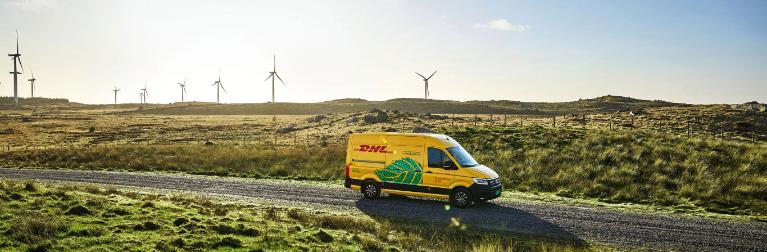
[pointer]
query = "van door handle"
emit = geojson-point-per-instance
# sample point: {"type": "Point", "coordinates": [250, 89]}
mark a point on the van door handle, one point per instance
{"type": "Point", "coordinates": [428, 171]}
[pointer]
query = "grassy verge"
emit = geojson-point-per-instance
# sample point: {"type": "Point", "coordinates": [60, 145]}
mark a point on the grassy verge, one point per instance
{"type": "Point", "coordinates": [611, 166]}
{"type": "Point", "coordinates": [626, 166]}
{"type": "Point", "coordinates": [40, 217]}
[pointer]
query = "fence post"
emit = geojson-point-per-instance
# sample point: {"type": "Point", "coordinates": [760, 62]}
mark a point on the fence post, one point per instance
{"type": "Point", "coordinates": [475, 119]}
{"type": "Point", "coordinates": [611, 121]}
{"type": "Point", "coordinates": [452, 120]}
{"type": "Point", "coordinates": [689, 130]}
{"type": "Point", "coordinates": [504, 119]}
{"type": "Point", "coordinates": [554, 121]}
{"type": "Point", "coordinates": [491, 119]}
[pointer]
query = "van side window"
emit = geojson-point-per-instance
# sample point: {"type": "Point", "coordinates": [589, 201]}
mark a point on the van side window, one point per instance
{"type": "Point", "coordinates": [435, 157]}
{"type": "Point", "coordinates": [439, 159]}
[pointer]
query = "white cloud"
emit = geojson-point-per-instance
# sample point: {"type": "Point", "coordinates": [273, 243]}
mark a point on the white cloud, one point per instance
{"type": "Point", "coordinates": [32, 4]}
{"type": "Point", "coordinates": [502, 25]}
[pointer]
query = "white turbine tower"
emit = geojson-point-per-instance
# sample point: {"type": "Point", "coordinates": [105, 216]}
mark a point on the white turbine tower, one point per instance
{"type": "Point", "coordinates": [219, 86]}
{"type": "Point", "coordinates": [426, 84]}
{"type": "Point", "coordinates": [273, 74]}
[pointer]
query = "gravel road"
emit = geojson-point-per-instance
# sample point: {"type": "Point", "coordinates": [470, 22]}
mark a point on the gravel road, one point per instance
{"type": "Point", "coordinates": [573, 224]}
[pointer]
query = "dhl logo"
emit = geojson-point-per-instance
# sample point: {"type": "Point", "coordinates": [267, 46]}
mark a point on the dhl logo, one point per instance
{"type": "Point", "coordinates": [372, 148]}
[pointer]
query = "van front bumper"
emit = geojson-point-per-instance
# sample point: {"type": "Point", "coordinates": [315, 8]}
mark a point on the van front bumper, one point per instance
{"type": "Point", "coordinates": [485, 192]}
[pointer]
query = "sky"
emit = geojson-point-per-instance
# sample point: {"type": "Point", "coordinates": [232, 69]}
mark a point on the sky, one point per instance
{"type": "Point", "coordinates": [699, 51]}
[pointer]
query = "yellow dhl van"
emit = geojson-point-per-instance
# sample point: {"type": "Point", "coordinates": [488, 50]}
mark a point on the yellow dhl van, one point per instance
{"type": "Point", "coordinates": [417, 164]}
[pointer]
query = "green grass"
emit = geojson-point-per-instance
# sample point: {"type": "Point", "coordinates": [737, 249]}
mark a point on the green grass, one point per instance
{"type": "Point", "coordinates": [77, 217]}
{"type": "Point", "coordinates": [318, 163]}
{"type": "Point", "coordinates": [612, 166]}
{"type": "Point", "coordinates": [625, 166]}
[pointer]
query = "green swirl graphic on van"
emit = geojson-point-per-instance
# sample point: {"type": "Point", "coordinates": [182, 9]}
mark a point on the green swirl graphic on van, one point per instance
{"type": "Point", "coordinates": [402, 171]}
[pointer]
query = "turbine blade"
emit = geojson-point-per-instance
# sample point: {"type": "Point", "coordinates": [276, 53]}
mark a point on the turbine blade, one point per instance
{"type": "Point", "coordinates": [17, 41]}
{"type": "Point", "coordinates": [270, 76]}
{"type": "Point", "coordinates": [274, 62]}
{"type": "Point", "coordinates": [420, 75]}
{"type": "Point", "coordinates": [432, 75]}
{"type": "Point", "coordinates": [278, 77]}
{"type": "Point", "coordinates": [20, 64]}
{"type": "Point", "coordinates": [222, 87]}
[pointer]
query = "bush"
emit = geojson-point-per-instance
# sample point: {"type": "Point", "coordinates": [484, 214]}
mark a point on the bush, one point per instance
{"type": "Point", "coordinates": [78, 210]}
{"type": "Point", "coordinates": [33, 228]}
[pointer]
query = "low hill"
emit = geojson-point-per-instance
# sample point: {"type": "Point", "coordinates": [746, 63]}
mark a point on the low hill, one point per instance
{"type": "Point", "coordinates": [597, 105]}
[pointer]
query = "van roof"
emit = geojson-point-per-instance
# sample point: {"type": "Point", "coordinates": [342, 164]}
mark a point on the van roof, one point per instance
{"type": "Point", "coordinates": [434, 135]}
{"type": "Point", "coordinates": [445, 139]}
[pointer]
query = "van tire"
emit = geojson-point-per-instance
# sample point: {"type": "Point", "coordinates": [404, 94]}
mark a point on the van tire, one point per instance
{"type": "Point", "coordinates": [371, 190]}
{"type": "Point", "coordinates": [460, 197]}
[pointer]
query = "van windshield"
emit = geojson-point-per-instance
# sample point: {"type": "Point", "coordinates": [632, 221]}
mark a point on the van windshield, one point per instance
{"type": "Point", "coordinates": [462, 156]}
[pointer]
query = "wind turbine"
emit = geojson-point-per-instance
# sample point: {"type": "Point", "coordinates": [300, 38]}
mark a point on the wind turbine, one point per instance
{"type": "Point", "coordinates": [32, 84]}
{"type": "Point", "coordinates": [115, 90]}
{"type": "Point", "coordinates": [272, 74]}
{"type": "Point", "coordinates": [16, 58]}
{"type": "Point", "coordinates": [141, 95]}
{"type": "Point", "coordinates": [426, 84]}
{"type": "Point", "coordinates": [219, 86]}
{"type": "Point", "coordinates": [183, 88]}
{"type": "Point", "coordinates": [144, 94]}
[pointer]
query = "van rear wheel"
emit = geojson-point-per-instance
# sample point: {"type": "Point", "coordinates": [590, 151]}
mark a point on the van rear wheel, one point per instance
{"type": "Point", "coordinates": [460, 197]}
{"type": "Point", "coordinates": [371, 190]}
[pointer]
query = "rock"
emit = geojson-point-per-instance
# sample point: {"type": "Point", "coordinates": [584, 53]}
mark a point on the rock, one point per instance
{"type": "Point", "coordinates": [290, 128]}
{"type": "Point", "coordinates": [317, 118]}
{"type": "Point", "coordinates": [209, 143]}
{"type": "Point", "coordinates": [353, 119]}
{"type": "Point", "coordinates": [379, 117]}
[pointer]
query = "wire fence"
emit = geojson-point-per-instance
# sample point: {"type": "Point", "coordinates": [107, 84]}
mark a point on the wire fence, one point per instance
{"type": "Point", "coordinates": [690, 127]}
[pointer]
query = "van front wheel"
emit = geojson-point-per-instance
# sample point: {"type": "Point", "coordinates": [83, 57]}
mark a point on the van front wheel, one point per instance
{"type": "Point", "coordinates": [460, 197]}
{"type": "Point", "coordinates": [371, 190]}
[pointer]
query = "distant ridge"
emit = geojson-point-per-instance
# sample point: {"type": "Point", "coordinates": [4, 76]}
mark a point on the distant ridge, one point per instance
{"type": "Point", "coordinates": [415, 105]}
{"type": "Point", "coordinates": [37, 101]}
{"type": "Point", "coordinates": [751, 106]}
{"type": "Point", "coordinates": [608, 103]}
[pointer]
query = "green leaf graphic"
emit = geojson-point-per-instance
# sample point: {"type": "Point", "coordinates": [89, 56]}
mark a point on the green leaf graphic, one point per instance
{"type": "Point", "coordinates": [402, 171]}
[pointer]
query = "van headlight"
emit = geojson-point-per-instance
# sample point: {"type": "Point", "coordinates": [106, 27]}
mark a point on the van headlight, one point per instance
{"type": "Point", "coordinates": [481, 181]}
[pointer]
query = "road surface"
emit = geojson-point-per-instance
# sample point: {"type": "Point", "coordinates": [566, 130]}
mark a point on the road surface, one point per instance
{"type": "Point", "coordinates": [571, 224]}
